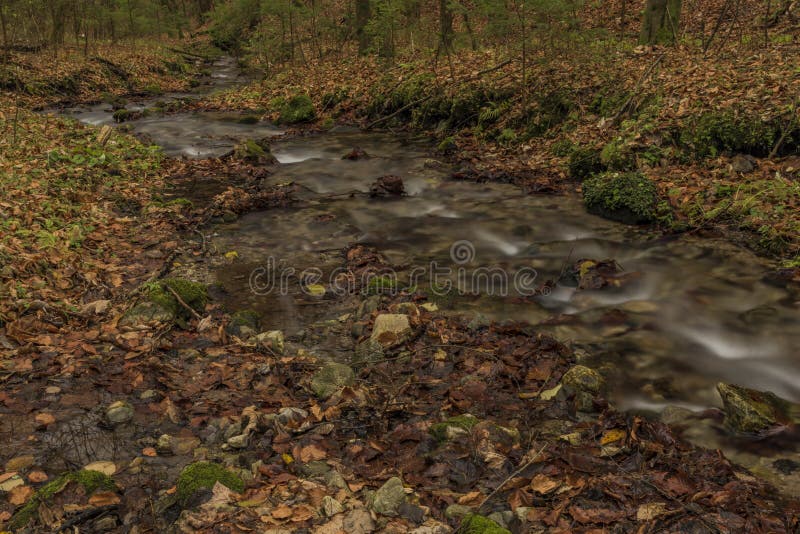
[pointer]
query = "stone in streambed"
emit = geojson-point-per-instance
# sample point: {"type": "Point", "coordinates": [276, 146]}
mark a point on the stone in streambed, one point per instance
{"type": "Point", "coordinates": [389, 497]}
{"type": "Point", "coordinates": [753, 412]}
{"type": "Point", "coordinates": [331, 378]}
{"type": "Point", "coordinates": [272, 340]}
{"type": "Point", "coordinates": [391, 329]}
{"type": "Point", "coordinates": [119, 412]}
{"type": "Point", "coordinates": [244, 324]}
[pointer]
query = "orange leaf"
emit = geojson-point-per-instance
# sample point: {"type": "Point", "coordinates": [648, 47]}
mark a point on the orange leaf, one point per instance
{"type": "Point", "coordinates": [104, 498]}
{"type": "Point", "coordinates": [20, 495]}
{"type": "Point", "coordinates": [282, 512]}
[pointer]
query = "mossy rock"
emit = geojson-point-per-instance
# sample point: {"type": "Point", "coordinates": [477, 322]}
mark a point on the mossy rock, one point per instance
{"type": "Point", "coordinates": [249, 119]}
{"type": "Point", "coordinates": [629, 198]}
{"type": "Point", "coordinates": [297, 109]}
{"type": "Point", "coordinates": [447, 146]}
{"type": "Point", "coordinates": [254, 152]}
{"type": "Point", "coordinates": [331, 378]}
{"type": "Point", "coordinates": [203, 475]}
{"type": "Point", "coordinates": [90, 480]}
{"type": "Point", "coordinates": [121, 115]}
{"type": "Point", "coordinates": [194, 294]}
{"type": "Point", "coordinates": [453, 426]}
{"type": "Point", "coordinates": [244, 324]}
{"type": "Point", "coordinates": [582, 378]}
{"type": "Point", "coordinates": [751, 411]}
{"type": "Point", "coordinates": [478, 524]}
{"type": "Point", "coordinates": [584, 162]}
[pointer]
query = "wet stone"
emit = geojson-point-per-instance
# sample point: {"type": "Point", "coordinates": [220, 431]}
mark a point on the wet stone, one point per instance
{"type": "Point", "coordinates": [752, 411]}
{"type": "Point", "coordinates": [391, 329]}
{"type": "Point", "coordinates": [119, 412]}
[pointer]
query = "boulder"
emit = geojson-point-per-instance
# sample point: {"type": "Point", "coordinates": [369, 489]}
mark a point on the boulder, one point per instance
{"type": "Point", "coordinates": [244, 324]}
{"type": "Point", "coordinates": [582, 378]}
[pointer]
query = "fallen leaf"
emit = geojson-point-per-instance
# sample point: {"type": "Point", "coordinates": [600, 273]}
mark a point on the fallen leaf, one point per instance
{"type": "Point", "coordinates": [282, 512]}
{"type": "Point", "coordinates": [612, 435]}
{"type": "Point", "coordinates": [544, 484]}
{"type": "Point", "coordinates": [37, 476]}
{"type": "Point", "coordinates": [107, 468]}
{"type": "Point", "coordinates": [149, 451]}
{"type": "Point", "coordinates": [44, 419]}
{"type": "Point", "coordinates": [104, 498]}
{"type": "Point", "coordinates": [651, 510]}
{"type": "Point", "coordinates": [20, 495]}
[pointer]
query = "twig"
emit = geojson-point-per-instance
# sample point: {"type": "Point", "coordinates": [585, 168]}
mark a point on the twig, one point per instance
{"type": "Point", "coordinates": [511, 476]}
{"type": "Point", "coordinates": [182, 303]}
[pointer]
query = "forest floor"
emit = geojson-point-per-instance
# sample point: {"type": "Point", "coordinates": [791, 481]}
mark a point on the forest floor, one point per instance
{"type": "Point", "coordinates": [310, 446]}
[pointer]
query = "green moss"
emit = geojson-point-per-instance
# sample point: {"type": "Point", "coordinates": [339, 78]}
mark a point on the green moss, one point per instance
{"type": "Point", "coordinates": [244, 323]}
{"type": "Point", "coordinates": [378, 285]}
{"type": "Point", "coordinates": [464, 422]}
{"type": "Point", "coordinates": [253, 151]}
{"type": "Point", "coordinates": [607, 102]}
{"type": "Point", "coordinates": [713, 133]}
{"type": "Point", "coordinates": [194, 294]}
{"type": "Point", "coordinates": [507, 137]}
{"type": "Point", "coordinates": [478, 524]}
{"type": "Point", "coordinates": [152, 89]}
{"type": "Point", "coordinates": [584, 162]}
{"type": "Point", "coordinates": [627, 197]}
{"type": "Point", "coordinates": [248, 119]}
{"type": "Point", "coordinates": [204, 475]}
{"type": "Point", "coordinates": [447, 145]}
{"type": "Point", "coordinates": [90, 480]}
{"type": "Point", "coordinates": [121, 115]}
{"type": "Point", "coordinates": [297, 109]}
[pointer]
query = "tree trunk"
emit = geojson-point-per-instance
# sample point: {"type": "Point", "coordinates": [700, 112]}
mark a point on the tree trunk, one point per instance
{"type": "Point", "coordinates": [362, 18]}
{"type": "Point", "coordinates": [660, 22]}
{"type": "Point", "coordinates": [445, 26]}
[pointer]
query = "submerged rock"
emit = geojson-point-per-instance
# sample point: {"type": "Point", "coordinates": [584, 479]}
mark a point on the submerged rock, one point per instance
{"type": "Point", "coordinates": [755, 412]}
{"type": "Point", "coordinates": [387, 186]}
{"type": "Point", "coordinates": [119, 412]}
{"type": "Point", "coordinates": [331, 378]}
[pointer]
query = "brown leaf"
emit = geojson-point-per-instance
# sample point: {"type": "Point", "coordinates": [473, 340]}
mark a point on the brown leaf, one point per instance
{"type": "Point", "coordinates": [37, 476]}
{"type": "Point", "coordinates": [595, 515]}
{"type": "Point", "coordinates": [20, 495]}
{"type": "Point", "coordinates": [104, 498]}
{"type": "Point", "coordinates": [282, 512]}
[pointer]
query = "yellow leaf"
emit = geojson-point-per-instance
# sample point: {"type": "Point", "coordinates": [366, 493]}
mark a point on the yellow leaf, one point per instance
{"type": "Point", "coordinates": [610, 436]}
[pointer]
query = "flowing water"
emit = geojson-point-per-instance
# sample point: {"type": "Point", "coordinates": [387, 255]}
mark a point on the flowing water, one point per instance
{"type": "Point", "coordinates": [690, 313]}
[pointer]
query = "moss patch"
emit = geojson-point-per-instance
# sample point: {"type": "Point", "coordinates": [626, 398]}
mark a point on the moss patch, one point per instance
{"type": "Point", "coordinates": [90, 480]}
{"type": "Point", "coordinates": [464, 422]}
{"type": "Point", "coordinates": [378, 285]}
{"type": "Point", "coordinates": [715, 132]}
{"type": "Point", "coordinates": [297, 109]}
{"type": "Point", "coordinates": [629, 197]}
{"type": "Point", "coordinates": [478, 524]}
{"type": "Point", "coordinates": [201, 475]}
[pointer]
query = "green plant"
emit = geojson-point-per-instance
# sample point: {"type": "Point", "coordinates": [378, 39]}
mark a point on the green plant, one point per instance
{"type": "Point", "coordinates": [584, 162]}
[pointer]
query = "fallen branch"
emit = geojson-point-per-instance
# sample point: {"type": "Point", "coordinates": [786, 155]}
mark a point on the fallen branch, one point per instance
{"type": "Point", "coordinates": [182, 303]}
